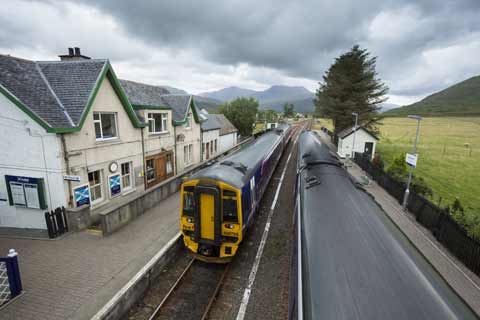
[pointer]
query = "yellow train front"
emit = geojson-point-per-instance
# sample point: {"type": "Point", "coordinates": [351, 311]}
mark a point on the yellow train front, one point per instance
{"type": "Point", "coordinates": [218, 203]}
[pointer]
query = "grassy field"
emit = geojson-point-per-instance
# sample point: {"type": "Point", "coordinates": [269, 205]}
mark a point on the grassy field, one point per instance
{"type": "Point", "coordinates": [449, 157]}
{"type": "Point", "coordinates": [319, 123]}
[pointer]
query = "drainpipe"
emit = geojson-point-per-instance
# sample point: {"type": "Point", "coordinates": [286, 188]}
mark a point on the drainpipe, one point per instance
{"type": "Point", "coordinates": [67, 167]}
{"type": "Point", "coordinates": [144, 161]}
{"type": "Point", "coordinates": [175, 149]}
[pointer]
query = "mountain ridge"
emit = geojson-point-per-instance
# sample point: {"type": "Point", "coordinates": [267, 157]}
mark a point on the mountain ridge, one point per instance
{"type": "Point", "coordinates": [462, 98]}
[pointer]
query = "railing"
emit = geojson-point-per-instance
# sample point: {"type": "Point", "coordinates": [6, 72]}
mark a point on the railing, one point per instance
{"type": "Point", "coordinates": [56, 222]}
{"type": "Point", "coordinates": [10, 282]}
{"type": "Point", "coordinates": [446, 230]}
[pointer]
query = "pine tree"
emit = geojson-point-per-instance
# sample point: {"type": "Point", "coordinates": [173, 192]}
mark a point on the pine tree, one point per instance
{"type": "Point", "coordinates": [351, 84]}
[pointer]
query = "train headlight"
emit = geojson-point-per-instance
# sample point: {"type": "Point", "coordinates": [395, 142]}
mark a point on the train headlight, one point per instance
{"type": "Point", "coordinates": [229, 225]}
{"type": "Point", "coordinates": [190, 220]}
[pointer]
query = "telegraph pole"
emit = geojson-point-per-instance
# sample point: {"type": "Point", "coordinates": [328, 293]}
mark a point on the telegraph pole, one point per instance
{"type": "Point", "coordinates": [407, 191]}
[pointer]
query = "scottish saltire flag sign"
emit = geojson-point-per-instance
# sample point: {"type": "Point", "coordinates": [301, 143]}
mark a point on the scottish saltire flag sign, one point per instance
{"type": "Point", "coordinates": [81, 195]}
{"type": "Point", "coordinates": [114, 183]}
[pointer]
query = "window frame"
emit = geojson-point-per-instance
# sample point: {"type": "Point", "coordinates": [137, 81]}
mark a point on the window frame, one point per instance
{"type": "Point", "coordinates": [188, 121]}
{"type": "Point", "coordinates": [129, 174]}
{"type": "Point", "coordinates": [152, 168]}
{"type": "Point", "coordinates": [100, 184]}
{"type": "Point", "coordinates": [187, 154]}
{"type": "Point", "coordinates": [99, 121]}
{"type": "Point", "coordinates": [163, 122]}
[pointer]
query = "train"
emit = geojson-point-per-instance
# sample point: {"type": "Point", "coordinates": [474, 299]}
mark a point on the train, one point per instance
{"type": "Point", "coordinates": [350, 261]}
{"type": "Point", "coordinates": [219, 203]}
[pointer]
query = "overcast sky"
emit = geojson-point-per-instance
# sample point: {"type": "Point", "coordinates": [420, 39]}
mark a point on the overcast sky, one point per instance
{"type": "Point", "coordinates": [422, 45]}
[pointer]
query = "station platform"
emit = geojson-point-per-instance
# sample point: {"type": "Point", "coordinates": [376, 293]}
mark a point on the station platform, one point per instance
{"type": "Point", "coordinates": [74, 277]}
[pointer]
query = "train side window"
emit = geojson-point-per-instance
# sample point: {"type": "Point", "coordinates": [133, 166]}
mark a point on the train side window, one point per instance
{"type": "Point", "coordinates": [188, 203]}
{"type": "Point", "coordinates": [229, 205]}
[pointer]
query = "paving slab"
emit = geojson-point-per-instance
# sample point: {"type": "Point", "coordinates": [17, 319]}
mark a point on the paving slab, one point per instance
{"type": "Point", "coordinates": [73, 278]}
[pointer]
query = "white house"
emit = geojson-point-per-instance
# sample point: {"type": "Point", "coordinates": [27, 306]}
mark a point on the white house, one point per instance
{"type": "Point", "coordinates": [228, 133]}
{"type": "Point", "coordinates": [365, 142]}
{"type": "Point", "coordinates": [210, 135]}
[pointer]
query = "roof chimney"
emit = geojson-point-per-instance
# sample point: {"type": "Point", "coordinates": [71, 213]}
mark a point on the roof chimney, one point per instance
{"type": "Point", "coordinates": [73, 55]}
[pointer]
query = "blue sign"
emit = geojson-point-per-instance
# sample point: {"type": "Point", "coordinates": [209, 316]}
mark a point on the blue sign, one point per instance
{"type": "Point", "coordinates": [81, 195]}
{"type": "Point", "coordinates": [21, 179]}
{"type": "Point", "coordinates": [114, 183]}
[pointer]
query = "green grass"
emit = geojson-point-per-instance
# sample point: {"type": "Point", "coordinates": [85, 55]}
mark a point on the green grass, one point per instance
{"type": "Point", "coordinates": [449, 158]}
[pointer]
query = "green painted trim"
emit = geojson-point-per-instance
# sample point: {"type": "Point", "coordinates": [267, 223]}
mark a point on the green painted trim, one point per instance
{"type": "Point", "coordinates": [24, 108]}
{"type": "Point", "coordinates": [145, 107]}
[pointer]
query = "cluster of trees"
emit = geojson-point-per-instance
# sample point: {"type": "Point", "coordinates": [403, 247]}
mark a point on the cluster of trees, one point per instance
{"type": "Point", "coordinates": [351, 84]}
{"type": "Point", "coordinates": [242, 113]}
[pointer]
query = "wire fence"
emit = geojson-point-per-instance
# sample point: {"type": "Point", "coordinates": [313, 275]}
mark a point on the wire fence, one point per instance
{"type": "Point", "coordinates": [446, 230]}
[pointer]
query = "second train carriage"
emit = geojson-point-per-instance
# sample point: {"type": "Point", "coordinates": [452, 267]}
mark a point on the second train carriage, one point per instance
{"type": "Point", "coordinates": [219, 202]}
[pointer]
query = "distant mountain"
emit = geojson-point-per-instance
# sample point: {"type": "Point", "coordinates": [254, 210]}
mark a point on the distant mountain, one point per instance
{"type": "Point", "coordinates": [211, 105]}
{"type": "Point", "coordinates": [458, 100]}
{"type": "Point", "coordinates": [227, 94]}
{"type": "Point", "coordinates": [301, 105]}
{"type": "Point", "coordinates": [272, 98]}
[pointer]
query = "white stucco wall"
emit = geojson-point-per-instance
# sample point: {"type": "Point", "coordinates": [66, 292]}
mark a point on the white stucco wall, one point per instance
{"type": "Point", "coordinates": [345, 145]}
{"type": "Point", "coordinates": [192, 136]}
{"type": "Point", "coordinates": [209, 137]}
{"type": "Point", "coordinates": [28, 150]}
{"type": "Point", "coordinates": [87, 154]}
{"type": "Point", "coordinates": [228, 141]}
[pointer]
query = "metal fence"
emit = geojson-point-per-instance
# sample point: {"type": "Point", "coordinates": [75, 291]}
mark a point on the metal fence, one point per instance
{"type": "Point", "coordinates": [10, 282]}
{"type": "Point", "coordinates": [446, 230]}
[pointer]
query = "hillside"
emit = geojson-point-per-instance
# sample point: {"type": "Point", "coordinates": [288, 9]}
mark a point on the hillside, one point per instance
{"type": "Point", "coordinates": [272, 98]}
{"type": "Point", "coordinates": [460, 99]}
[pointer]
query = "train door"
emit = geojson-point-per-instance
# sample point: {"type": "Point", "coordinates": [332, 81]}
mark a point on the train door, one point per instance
{"type": "Point", "coordinates": [208, 214]}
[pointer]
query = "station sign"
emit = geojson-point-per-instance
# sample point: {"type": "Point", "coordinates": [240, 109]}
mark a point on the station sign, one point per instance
{"type": "Point", "coordinates": [411, 159]}
{"type": "Point", "coordinates": [71, 178]}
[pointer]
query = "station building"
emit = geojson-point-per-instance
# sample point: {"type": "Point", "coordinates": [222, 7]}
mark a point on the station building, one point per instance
{"type": "Point", "coordinates": [72, 137]}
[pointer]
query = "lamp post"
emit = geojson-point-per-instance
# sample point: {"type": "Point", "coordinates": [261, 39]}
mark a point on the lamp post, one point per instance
{"type": "Point", "coordinates": [407, 190]}
{"type": "Point", "coordinates": [354, 134]}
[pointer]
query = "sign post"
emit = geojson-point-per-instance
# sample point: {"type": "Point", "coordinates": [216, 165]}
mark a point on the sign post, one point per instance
{"type": "Point", "coordinates": [411, 160]}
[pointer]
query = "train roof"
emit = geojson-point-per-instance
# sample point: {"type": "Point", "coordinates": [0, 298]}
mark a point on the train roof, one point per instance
{"type": "Point", "coordinates": [356, 263]}
{"type": "Point", "coordinates": [237, 168]}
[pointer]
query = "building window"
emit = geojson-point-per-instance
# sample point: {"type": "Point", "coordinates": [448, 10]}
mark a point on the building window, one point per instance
{"type": "Point", "coordinates": [105, 125]}
{"type": "Point", "coordinates": [216, 145]}
{"type": "Point", "coordinates": [127, 179]}
{"type": "Point", "coordinates": [169, 163]}
{"type": "Point", "coordinates": [150, 170]}
{"type": "Point", "coordinates": [211, 146]}
{"type": "Point", "coordinates": [157, 122]}
{"type": "Point", "coordinates": [188, 121]}
{"type": "Point", "coordinates": [188, 154]}
{"type": "Point", "coordinates": [96, 185]}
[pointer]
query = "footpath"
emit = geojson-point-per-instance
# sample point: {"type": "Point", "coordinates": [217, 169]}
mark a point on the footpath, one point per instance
{"type": "Point", "coordinates": [74, 277]}
{"type": "Point", "coordinates": [459, 277]}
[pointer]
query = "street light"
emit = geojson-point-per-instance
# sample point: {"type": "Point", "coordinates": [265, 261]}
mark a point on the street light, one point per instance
{"type": "Point", "coordinates": [407, 191]}
{"type": "Point", "coordinates": [354, 134]}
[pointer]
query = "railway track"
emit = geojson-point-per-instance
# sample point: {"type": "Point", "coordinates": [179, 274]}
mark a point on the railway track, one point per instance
{"type": "Point", "coordinates": [194, 292]}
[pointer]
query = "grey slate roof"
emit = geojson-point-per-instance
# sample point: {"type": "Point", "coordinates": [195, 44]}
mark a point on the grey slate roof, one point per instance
{"type": "Point", "coordinates": [73, 82]}
{"type": "Point", "coordinates": [56, 92]}
{"type": "Point", "coordinates": [227, 127]}
{"type": "Point", "coordinates": [211, 123]}
{"type": "Point", "coordinates": [141, 94]}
